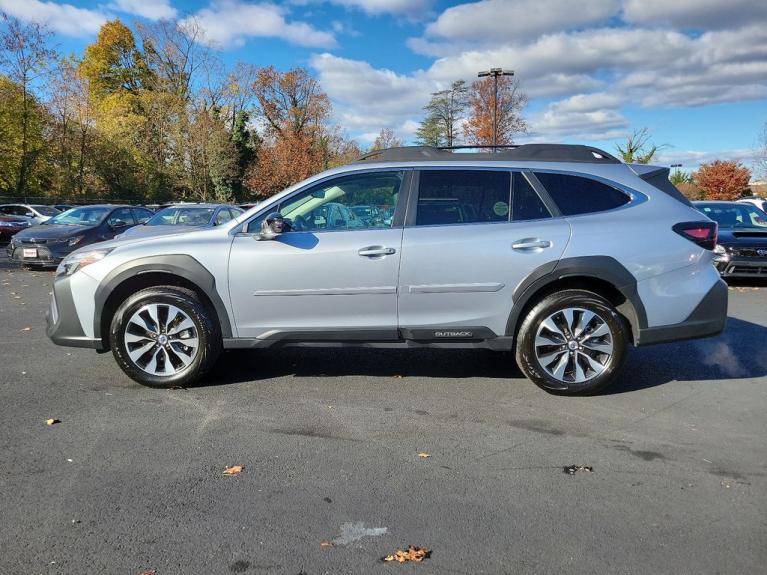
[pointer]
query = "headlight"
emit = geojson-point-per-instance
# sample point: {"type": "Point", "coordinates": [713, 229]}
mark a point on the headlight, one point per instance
{"type": "Point", "coordinates": [76, 261]}
{"type": "Point", "coordinates": [75, 240]}
{"type": "Point", "coordinates": [719, 249]}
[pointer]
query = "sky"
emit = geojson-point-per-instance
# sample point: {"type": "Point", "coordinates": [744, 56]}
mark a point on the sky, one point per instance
{"type": "Point", "coordinates": [693, 72]}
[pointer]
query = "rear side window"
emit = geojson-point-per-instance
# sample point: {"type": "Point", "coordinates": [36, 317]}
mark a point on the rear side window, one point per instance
{"type": "Point", "coordinates": [463, 196]}
{"type": "Point", "coordinates": [525, 203]}
{"type": "Point", "coordinates": [577, 195]}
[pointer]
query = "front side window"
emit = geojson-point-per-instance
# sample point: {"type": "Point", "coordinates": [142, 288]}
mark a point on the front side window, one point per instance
{"type": "Point", "coordinates": [463, 196]}
{"type": "Point", "coordinates": [223, 216]}
{"type": "Point", "coordinates": [355, 202]}
{"type": "Point", "coordinates": [575, 195]}
{"type": "Point", "coordinates": [46, 210]}
{"type": "Point", "coordinates": [121, 217]}
{"type": "Point", "coordinates": [142, 216]}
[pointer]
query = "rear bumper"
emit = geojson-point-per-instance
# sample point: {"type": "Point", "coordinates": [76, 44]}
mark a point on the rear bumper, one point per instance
{"type": "Point", "coordinates": [63, 323]}
{"type": "Point", "coordinates": [743, 268]}
{"type": "Point", "coordinates": [707, 319]}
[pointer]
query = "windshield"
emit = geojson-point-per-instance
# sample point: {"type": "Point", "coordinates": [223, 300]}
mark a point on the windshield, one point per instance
{"type": "Point", "coordinates": [735, 215]}
{"type": "Point", "coordinates": [175, 216]}
{"type": "Point", "coordinates": [46, 210]}
{"type": "Point", "coordinates": [79, 217]}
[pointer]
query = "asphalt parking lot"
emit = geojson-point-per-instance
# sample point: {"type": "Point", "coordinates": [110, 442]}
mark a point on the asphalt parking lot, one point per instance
{"type": "Point", "coordinates": [131, 480]}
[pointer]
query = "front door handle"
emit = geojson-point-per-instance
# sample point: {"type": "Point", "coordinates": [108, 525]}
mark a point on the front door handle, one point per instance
{"type": "Point", "coordinates": [376, 251]}
{"type": "Point", "coordinates": [530, 244]}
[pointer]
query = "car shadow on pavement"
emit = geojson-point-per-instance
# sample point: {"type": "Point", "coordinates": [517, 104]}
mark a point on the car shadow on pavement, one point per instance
{"type": "Point", "coordinates": [735, 354]}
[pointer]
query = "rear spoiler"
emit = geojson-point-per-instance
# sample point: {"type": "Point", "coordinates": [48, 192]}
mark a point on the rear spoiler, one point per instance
{"type": "Point", "coordinates": [657, 176]}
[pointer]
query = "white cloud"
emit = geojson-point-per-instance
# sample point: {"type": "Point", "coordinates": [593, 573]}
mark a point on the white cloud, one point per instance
{"type": "Point", "coordinates": [150, 9]}
{"type": "Point", "coordinates": [587, 116]}
{"type": "Point", "coordinates": [62, 18]}
{"type": "Point", "coordinates": [410, 8]}
{"type": "Point", "coordinates": [693, 158]}
{"type": "Point", "coordinates": [492, 21]}
{"type": "Point", "coordinates": [706, 14]}
{"type": "Point", "coordinates": [231, 22]}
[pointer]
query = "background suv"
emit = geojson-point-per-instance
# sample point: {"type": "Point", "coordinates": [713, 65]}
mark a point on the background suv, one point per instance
{"type": "Point", "coordinates": [560, 253]}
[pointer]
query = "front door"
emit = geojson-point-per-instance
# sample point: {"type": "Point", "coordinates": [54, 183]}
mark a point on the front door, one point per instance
{"type": "Point", "coordinates": [334, 274]}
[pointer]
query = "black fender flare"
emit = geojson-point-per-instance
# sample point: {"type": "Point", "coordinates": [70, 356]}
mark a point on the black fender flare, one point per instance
{"type": "Point", "coordinates": [181, 265]}
{"type": "Point", "coordinates": [603, 268]}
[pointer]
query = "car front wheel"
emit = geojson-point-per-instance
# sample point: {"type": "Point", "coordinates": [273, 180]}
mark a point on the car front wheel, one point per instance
{"type": "Point", "coordinates": [164, 336]}
{"type": "Point", "coordinates": [572, 342]}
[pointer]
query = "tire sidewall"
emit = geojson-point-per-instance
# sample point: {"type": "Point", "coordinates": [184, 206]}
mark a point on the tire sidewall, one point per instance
{"type": "Point", "coordinates": [528, 362]}
{"type": "Point", "coordinates": [209, 340]}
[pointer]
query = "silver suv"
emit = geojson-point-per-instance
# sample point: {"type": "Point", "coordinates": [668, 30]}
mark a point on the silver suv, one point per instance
{"type": "Point", "coordinates": [559, 253]}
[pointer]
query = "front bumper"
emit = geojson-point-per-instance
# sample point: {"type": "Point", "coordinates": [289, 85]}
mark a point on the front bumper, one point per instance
{"type": "Point", "coordinates": [707, 319]}
{"type": "Point", "coordinates": [45, 254]}
{"type": "Point", "coordinates": [63, 323]}
{"type": "Point", "coordinates": [743, 268]}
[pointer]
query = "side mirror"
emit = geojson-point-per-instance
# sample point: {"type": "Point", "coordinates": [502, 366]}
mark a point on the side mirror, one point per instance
{"type": "Point", "coordinates": [30, 214]}
{"type": "Point", "coordinates": [273, 226]}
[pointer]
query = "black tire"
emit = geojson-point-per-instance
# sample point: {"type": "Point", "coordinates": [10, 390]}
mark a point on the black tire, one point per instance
{"type": "Point", "coordinates": [207, 330]}
{"type": "Point", "coordinates": [528, 361]}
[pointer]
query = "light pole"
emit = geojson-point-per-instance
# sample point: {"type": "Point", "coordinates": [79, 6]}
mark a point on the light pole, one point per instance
{"type": "Point", "coordinates": [495, 72]}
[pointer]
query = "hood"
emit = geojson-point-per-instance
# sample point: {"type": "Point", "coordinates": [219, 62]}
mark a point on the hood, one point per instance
{"type": "Point", "coordinates": [742, 236]}
{"type": "Point", "coordinates": [154, 231]}
{"type": "Point", "coordinates": [53, 232]}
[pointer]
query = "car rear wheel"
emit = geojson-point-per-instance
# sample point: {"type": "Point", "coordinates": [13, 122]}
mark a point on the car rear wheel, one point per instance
{"type": "Point", "coordinates": [572, 342]}
{"type": "Point", "coordinates": [164, 336]}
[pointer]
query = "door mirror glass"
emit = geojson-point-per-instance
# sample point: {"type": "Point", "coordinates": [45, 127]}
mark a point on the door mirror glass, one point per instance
{"type": "Point", "coordinates": [273, 225]}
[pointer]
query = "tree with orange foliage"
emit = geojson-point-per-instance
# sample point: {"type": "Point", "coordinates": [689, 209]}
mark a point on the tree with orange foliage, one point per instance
{"type": "Point", "coordinates": [511, 101]}
{"type": "Point", "coordinates": [722, 180]}
{"type": "Point", "coordinates": [298, 140]}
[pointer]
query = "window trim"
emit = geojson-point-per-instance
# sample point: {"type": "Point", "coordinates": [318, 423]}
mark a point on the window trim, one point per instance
{"type": "Point", "coordinates": [399, 210]}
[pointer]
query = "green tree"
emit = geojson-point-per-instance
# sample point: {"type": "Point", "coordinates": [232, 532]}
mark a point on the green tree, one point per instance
{"type": "Point", "coordinates": [638, 149]}
{"type": "Point", "coordinates": [25, 58]}
{"type": "Point", "coordinates": [678, 177]}
{"type": "Point", "coordinates": [429, 133]}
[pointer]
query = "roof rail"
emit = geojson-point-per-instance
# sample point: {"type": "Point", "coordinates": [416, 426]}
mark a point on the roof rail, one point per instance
{"type": "Point", "coordinates": [524, 152]}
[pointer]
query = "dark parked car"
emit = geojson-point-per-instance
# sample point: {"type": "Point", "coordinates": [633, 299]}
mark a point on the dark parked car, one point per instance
{"type": "Point", "coordinates": [741, 249]}
{"type": "Point", "coordinates": [48, 243]}
{"type": "Point", "coordinates": [11, 225]}
{"type": "Point", "coordinates": [183, 218]}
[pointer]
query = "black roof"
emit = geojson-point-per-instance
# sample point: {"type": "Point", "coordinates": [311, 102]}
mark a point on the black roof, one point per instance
{"type": "Point", "coordinates": [525, 152]}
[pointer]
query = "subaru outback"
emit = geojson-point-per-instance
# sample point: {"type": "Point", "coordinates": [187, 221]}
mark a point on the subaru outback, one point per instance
{"type": "Point", "coordinates": [560, 254]}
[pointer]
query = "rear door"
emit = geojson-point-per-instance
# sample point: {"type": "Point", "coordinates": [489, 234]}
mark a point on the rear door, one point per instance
{"type": "Point", "coordinates": [471, 237]}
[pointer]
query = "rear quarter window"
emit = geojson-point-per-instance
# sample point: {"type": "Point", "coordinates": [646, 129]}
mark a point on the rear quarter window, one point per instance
{"type": "Point", "coordinates": [578, 195]}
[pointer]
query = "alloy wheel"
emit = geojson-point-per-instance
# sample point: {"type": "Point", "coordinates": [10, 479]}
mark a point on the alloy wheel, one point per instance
{"type": "Point", "coordinates": [161, 339]}
{"type": "Point", "coordinates": [574, 345]}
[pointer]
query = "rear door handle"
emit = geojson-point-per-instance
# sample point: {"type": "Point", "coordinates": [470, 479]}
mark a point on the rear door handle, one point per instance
{"type": "Point", "coordinates": [373, 251]}
{"type": "Point", "coordinates": [530, 244]}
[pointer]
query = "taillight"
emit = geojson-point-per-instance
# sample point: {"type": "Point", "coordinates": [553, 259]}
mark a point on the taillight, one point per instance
{"type": "Point", "coordinates": [701, 233]}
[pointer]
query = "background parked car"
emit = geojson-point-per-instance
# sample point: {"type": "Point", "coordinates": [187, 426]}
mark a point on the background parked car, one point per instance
{"type": "Point", "coordinates": [35, 214]}
{"type": "Point", "coordinates": [64, 207]}
{"type": "Point", "coordinates": [10, 225]}
{"type": "Point", "coordinates": [181, 219]}
{"type": "Point", "coordinates": [760, 203]}
{"type": "Point", "coordinates": [741, 249]}
{"type": "Point", "coordinates": [48, 243]}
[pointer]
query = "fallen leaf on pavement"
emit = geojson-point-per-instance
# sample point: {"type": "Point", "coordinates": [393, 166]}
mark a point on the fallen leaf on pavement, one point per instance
{"type": "Point", "coordinates": [233, 470]}
{"type": "Point", "coordinates": [148, 572]}
{"type": "Point", "coordinates": [52, 421]}
{"type": "Point", "coordinates": [26, 329]}
{"type": "Point", "coordinates": [424, 455]}
{"type": "Point", "coordinates": [326, 544]}
{"type": "Point", "coordinates": [573, 469]}
{"type": "Point", "coordinates": [412, 553]}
